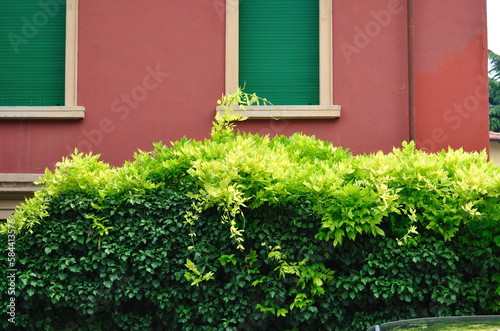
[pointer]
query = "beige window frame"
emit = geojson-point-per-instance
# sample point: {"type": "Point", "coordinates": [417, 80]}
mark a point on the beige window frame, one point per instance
{"type": "Point", "coordinates": [70, 110]}
{"type": "Point", "coordinates": [325, 109]}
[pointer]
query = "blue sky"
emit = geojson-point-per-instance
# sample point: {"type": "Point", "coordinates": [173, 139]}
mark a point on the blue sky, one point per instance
{"type": "Point", "coordinates": [493, 10]}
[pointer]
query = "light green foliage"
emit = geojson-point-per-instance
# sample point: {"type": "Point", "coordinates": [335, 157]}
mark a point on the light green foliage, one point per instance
{"type": "Point", "coordinates": [444, 192]}
{"type": "Point", "coordinates": [98, 223]}
{"type": "Point", "coordinates": [80, 173]}
{"type": "Point", "coordinates": [281, 210]}
{"type": "Point", "coordinates": [196, 277]}
{"type": "Point", "coordinates": [219, 180]}
{"type": "Point", "coordinates": [449, 193]}
{"type": "Point", "coordinates": [310, 279]}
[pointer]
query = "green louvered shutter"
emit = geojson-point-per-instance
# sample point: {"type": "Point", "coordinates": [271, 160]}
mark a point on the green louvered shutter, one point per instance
{"type": "Point", "coordinates": [32, 53]}
{"type": "Point", "coordinates": [279, 50]}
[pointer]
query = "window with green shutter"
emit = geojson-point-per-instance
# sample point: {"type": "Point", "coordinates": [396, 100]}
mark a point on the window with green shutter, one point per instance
{"type": "Point", "coordinates": [32, 53]}
{"type": "Point", "coordinates": [279, 50]}
{"type": "Point", "coordinates": [282, 51]}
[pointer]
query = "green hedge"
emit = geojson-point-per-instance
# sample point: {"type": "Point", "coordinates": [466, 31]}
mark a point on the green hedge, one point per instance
{"type": "Point", "coordinates": [241, 232]}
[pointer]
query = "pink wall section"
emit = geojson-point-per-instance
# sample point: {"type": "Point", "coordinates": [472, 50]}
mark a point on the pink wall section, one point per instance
{"type": "Point", "coordinates": [451, 74]}
{"type": "Point", "coordinates": [370, 73]}
{"type": "Point", "coordinates": [153, 70]}
{"type": "Point", "coordinates": [370, 80]}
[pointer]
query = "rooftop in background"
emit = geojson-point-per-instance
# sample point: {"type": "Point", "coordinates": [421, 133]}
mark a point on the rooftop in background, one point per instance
{"type": "Point", "coordinates": [495, 136]}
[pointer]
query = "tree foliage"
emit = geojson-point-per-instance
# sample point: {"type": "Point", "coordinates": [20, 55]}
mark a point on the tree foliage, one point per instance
{"type": "Point", "coordinates": [494, 64]}
{"type": "Point", "coordinates": [494, 88]}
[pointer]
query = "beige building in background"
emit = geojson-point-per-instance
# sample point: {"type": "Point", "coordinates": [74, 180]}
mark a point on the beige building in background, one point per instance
{"type": "Point", "coordinates": [495, 147]}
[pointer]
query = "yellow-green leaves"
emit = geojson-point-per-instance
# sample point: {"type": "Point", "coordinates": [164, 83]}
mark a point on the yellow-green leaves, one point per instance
{"type": "Point", "coordinates": [196, 277]}
{"type": "Point", "coordinates": [223, 126]}
{"type": "Point", "coordinates": [78, 173]}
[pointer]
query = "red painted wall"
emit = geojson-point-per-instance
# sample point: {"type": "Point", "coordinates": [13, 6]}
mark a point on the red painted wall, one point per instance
{"type": "Point", "coordinates": [451, 79]}
{"type": "Point", "coordinates": [153, 70]}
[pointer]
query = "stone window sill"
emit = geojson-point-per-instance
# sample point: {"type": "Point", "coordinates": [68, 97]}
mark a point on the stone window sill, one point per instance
{"type": "Point", "coordinates": [46, 113]}
{"type": "Point", "coordinates": [287, 112]}
{"type": "Point", "coordinates": [14, 188]}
